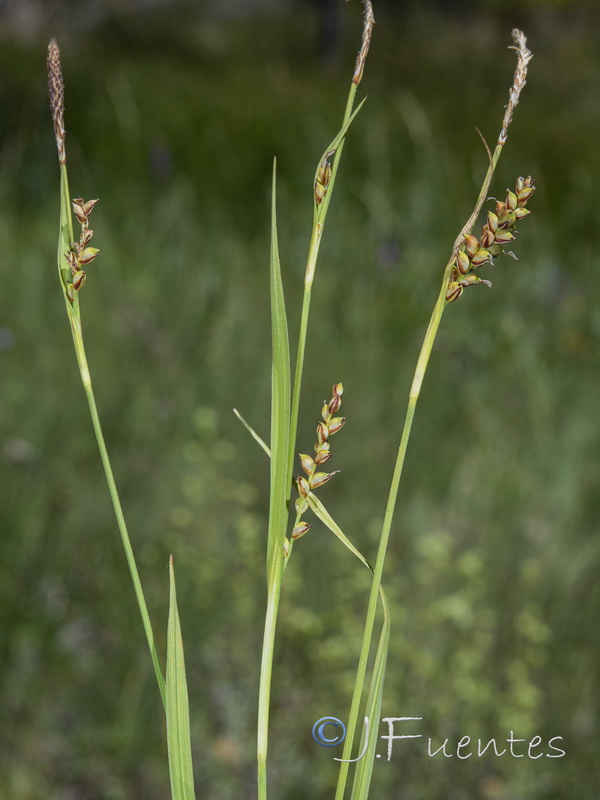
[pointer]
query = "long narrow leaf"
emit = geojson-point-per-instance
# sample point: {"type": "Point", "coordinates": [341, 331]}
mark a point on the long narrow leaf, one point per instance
{"type": "Point", "coordinates": [364, 768]}
{"type": "Point", "coordinates": [280, 401]}
{"type": "Point", "coordinates": [278, 513]}
{"type": "Point", "coordinates": [321, 512]}
{"type": "Point", "coordinates": [178, 712]}
{"type": "Point", "coordinates": [337, 146]}
{"type": "Point", "coordinates": [252, 432]}
{"type": "Point", "coordinates": [65, 234]}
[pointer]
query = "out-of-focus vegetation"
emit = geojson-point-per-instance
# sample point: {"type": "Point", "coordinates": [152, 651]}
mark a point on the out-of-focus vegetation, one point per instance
{"type": "Point", "coordinates": [173, 120]}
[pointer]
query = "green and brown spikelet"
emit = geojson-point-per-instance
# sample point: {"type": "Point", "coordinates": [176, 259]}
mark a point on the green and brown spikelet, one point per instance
{"type": "Point", "coordinates": [524, 56]}
{"type": "Point", "coordinates": [498, 231]}
{"type": "Point", "coordinates": [368, 22]}
{"type": "Point", "coordinates": [469, 252]}
{"type": "Point", "coordinates": [56, 93]}
{"type": "Point", "coordinates": [81, 254]}
{"type": "Point", "coordinates": [327, 426]}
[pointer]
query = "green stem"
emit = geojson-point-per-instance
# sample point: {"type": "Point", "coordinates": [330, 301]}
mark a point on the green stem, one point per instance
{"type": "Point", "coordinates": [415, 390]}
{"type": "Point", "coordinates": [413, 398]}
{"type": "Point", "coordinates": [278, 493]}
{"type": "Point", "coordinates": [276, 568]}
{"type": "Point", "coordinates": [311, 265]}
{"type": "Point", "coordinates": [264, 694]}
{"type": "Point", "coordinates": [114, 496]}
{"type": "Point", "coordinates": [276, 565]}
{"type": "Point", "coordinates": [64, 242]}
{"type": "Point", "coordinates": [313, 253]}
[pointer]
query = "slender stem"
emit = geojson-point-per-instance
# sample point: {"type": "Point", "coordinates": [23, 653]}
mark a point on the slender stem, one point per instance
{"type": "Point", "coordinates": [311, 264]}
{"type": "Point", "coordinates": [278, 493]}
{"type": "Point", "coordinates": [468, 226]}
{"type": "Point", "coordinates": [70, 293]}
{"type": "Point", "coordinates": [415, 390]}
{"type": "Point", "coordinates": [114, 495]}
{"type": "Point", "coordinates": [277, 567]}
{"type": "Point", "coordinates": [413, 398]}
{"type": "Point", "coordinates": [264, 694]}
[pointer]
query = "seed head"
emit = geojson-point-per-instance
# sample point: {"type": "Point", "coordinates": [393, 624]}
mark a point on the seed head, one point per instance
{"type": "Point", "coordinates": [81, 253]}
{"type": "Point", "coordinates": [524, 56]}
{"type": "Point", "coordinates": [326, 427]}
{"type": "Point", "coordinates": [323, 178]}
{"type": "Point", "coordinates": [56, 95]}
{"type": "Point", "coordinates": [498, 230]}
{"type": "Point", "coordinates": [368, 22]}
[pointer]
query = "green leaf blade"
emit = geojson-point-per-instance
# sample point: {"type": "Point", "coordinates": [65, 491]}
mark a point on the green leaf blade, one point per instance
{"type": "Point", "coordinates": [364, 767]}
{"type": "Point", "coordinates": [280, 406]}
{"type": "Point", "coordinates": [178, 713]}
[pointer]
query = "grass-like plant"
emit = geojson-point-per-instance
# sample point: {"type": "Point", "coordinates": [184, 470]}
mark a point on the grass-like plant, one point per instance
{"type": "Point", "coordinates": [468, 255]}
{"type": "Point", "coordinates": [287, 521]}
{"type": "Point", "coordinates": [72, 257]}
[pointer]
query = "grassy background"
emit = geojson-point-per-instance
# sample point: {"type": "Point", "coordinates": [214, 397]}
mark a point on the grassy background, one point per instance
{"type": "Point", "coordinates": [173, 118]}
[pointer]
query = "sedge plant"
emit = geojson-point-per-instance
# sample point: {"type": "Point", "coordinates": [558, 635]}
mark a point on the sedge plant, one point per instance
{"type": "Point", "coordinates": [285, 405]}
{"type": "Point", "coordinates": [73, 255]}
{"type": "Point", "coordinates": [469, 254]}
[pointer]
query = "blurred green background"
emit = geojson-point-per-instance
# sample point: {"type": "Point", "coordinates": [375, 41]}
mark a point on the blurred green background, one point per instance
{"type": "Point", "coordinates": [174, 113]}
